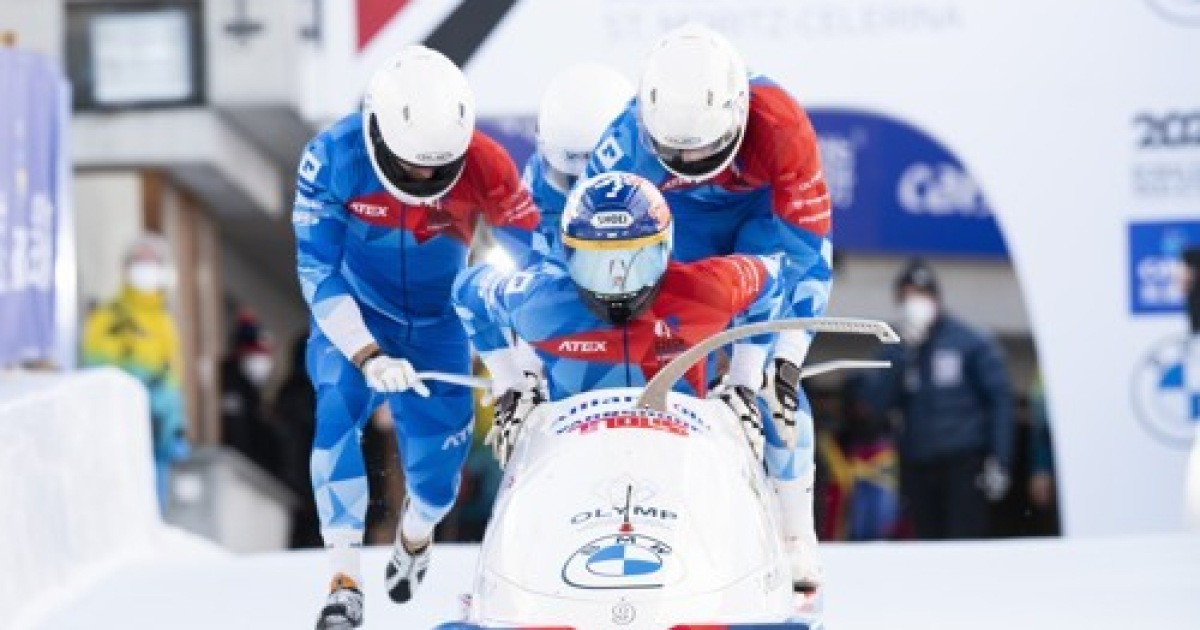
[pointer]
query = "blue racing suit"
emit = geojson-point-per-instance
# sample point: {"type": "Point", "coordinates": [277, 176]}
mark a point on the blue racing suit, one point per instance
{"type": "Point", "coordinates": [772, 199]}
{"type": "Point", "coordinates": [581, 352]}
{"type": "Point", "coordinates": [550, 199]}
{"type": "Point", "coordinates": [374, 269]}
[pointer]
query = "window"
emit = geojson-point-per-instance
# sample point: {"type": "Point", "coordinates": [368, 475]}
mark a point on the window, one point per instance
{"type": "Point", "coordinates": [135, 54]}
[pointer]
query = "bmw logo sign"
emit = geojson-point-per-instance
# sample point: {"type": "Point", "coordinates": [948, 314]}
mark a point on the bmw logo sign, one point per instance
{"type": "Point", "coordinates": [621, 560]}
{"type": "Point", "coordinates": [1166, 391]}
{"type": "Point", "coordinates": [618, 561]}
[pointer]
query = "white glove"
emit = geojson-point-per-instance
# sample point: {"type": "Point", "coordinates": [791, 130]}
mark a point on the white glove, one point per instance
{"type": "Point", "coordinates": [744, 403]}
{"type": "Point", "coordinates": [512, 408]}
{"type": "Point", "coordinates": [993, 479]}
{"type": "Point", "coordinates": [783, 398]}
{"type": "Point", "coordinates": [389, 375]}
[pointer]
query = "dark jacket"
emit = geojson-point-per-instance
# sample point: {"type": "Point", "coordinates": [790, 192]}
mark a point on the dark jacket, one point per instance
{"type": "Point", "coordinates": [952, 392]}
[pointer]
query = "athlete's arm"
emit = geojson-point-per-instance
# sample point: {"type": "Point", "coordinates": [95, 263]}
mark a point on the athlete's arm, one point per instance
{"type": "Point", "coordinates": [485, 299]}
{"type": "Point", "coordinates": [319, 221]}
{"type": "Point", "coordinates": [508, 208]}
{"type": "Point", "coordinates": [799, 194]}
{"type": "Point", "coordinates": [615, 151]}
{"type": "Point", "coordinates": [754, 291]}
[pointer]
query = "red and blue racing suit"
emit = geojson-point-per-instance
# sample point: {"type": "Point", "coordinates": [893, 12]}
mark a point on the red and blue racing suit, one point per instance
{"type": "Point", "coordinates": [771, 199]}
{"type": "Point", "coordinates": [375, 269]}
{"type": "Point", "coordinates": [581, 352]}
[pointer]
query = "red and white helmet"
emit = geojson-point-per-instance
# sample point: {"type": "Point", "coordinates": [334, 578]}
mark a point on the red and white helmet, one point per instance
{"type": "Point", "coordinates": [693, 102]}
{"type": "Point", "coordinates": [418, 113]}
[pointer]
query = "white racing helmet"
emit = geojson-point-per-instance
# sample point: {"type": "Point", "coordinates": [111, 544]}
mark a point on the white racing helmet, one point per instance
{"type": "Point", "coordinates": [693, 101]}
{"type": "Point", "coordinates": [576, 109]}
{"type": "Point", "coordinates": [418, 114]}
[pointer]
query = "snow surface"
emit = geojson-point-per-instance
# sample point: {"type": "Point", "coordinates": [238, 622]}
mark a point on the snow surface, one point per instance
{"type": "Point", "coordinates": [1151, 583]}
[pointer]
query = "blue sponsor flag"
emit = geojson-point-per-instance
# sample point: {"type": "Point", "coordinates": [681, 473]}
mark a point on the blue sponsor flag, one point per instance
{"type": "Point", "coordinates": [31, 186]}
{"type": "Point", "coordinates": [1156, 249]}
{"type": "Point", "coordinates": [897, 190]}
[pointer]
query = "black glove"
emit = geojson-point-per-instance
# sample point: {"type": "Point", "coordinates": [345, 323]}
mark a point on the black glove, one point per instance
{"type": "Point", "coordinates": [744, 403]}
{"type": "Point", "coordinates": [512, 408]}
{"type": "Point", "coordinates": [783, 398]}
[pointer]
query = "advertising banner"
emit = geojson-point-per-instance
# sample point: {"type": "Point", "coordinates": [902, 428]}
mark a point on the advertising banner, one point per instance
{"type": "Point", "coordinates": [31, 155]}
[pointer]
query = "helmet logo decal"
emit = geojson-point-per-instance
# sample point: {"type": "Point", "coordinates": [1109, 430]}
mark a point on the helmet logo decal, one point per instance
{"type": "Point", "coordinates": [438, 157]}
{"type": "Point", "coordinates": [612, 219]}
{"type": "Point", "coordinates": [683, 141]}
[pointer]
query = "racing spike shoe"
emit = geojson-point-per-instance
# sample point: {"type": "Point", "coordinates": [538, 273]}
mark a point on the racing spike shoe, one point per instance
{"type": "Point", "coordinates": [406, 569]}
{"type": "Point", "coordinates": [344, 608]}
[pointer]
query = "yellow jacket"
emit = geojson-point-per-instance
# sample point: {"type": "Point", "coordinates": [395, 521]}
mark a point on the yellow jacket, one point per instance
{"type": "Point", "coordinates": [135, 333]}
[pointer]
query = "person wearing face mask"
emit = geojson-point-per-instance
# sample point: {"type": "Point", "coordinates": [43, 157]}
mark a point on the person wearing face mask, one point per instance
{"type": "Point", "coordinates": [950, 389]}
{"type": "Point", "coordinates": [135, 332]}
{"type": "Point", "coordinates": [244, 373]}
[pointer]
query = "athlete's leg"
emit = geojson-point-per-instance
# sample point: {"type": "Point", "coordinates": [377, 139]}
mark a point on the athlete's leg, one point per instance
{"type": "Point", "coordinates": [344, 402]}
{"type": "Point", "coordinates": [434, 437]}
{"type": "Point", "coordinates": [807, 281]}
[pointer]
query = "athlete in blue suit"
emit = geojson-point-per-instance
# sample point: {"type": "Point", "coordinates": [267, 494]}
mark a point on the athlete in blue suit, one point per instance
{"type": "Point", "coordinates": [614, 309]}
{"type": "Point", "coordinates": [386, 205]}
{"type": "Point", "coordinates": [736, 158]}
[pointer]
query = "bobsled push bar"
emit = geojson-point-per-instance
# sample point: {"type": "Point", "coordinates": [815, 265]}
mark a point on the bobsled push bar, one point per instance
{"type": "Point", "coordinates": [655, 394]}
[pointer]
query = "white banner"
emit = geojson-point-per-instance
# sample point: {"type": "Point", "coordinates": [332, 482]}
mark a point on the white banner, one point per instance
{"type": "Point", "coordinates": [1077, 118]}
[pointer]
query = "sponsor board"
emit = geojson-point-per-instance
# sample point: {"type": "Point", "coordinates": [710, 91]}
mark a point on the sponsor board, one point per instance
{"type": "Point", "coordinates": [1166, 391]}
{"type": "Point", "coordinates": [615, 420]}
{"type": "Point", "coordinates": [1156, 269]}
{"type": "Point", "coordinates": [1165, 165]}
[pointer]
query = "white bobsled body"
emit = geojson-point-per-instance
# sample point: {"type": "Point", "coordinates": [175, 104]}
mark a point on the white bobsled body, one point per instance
{"type": "Point", "coordinates": [610, 516]}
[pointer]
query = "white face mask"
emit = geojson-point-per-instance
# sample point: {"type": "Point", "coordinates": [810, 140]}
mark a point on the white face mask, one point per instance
{"type": "Point", "coordinates": [918, 313]}
{"type": "Point", "coordinates": [147, 277]}
{"type": "Point", "coordinates": [257, 367]}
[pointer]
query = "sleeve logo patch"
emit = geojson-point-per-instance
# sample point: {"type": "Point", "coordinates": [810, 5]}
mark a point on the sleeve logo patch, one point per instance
{"type": "Point", "coordinates": [309, 167]}
{"type": "Point", "coordinates": [609, 153]}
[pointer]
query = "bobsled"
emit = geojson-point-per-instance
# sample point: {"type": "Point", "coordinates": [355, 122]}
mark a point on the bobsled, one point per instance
{"type": "Point", "coordinates": [641, 508]}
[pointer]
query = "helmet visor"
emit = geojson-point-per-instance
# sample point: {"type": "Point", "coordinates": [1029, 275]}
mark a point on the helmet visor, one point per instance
{"type": "Point", "coordinates": [616, 273]}
{"type": "Point", "coordinates": [700, 161]}
{"type": "Point", "coordinates": [422, 182]}
{"type": "Point", "coordinates": [562, 181]}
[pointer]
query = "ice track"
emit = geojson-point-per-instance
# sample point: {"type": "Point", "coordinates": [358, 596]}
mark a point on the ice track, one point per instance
{"type": "Point", "coordinates": [1151, 583]}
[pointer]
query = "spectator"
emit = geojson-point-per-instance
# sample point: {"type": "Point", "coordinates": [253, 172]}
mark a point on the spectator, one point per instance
{"type": "Point", "coordinates": [949, 386]}
{"type": "Point", "coordinates": [135, 333]}
{"type": "Point", "coordinates": [293, 410]}
{"type": "Point", "coordinates": [1041, 478]}
{"type": "Point", "coordinates": [244, 372]}
{"type": "Point", "coordinates": [874, 505]}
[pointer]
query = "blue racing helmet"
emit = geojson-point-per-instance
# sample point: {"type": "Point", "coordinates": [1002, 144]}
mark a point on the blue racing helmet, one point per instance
{"type": "Point", "coordinates": [617, 237]}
